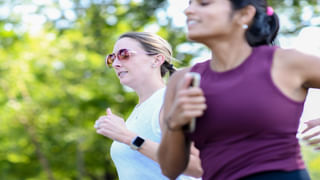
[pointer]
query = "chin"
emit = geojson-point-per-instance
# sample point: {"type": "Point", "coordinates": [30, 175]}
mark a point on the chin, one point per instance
{"type": "Point", "coordinates": [127, 83]}
{"type": "Point", "coordinates": [191, 37]}
{"type": "Point", "coordinates": [123, 82]}
{"type": "Point", "coordinates": [198, 37]}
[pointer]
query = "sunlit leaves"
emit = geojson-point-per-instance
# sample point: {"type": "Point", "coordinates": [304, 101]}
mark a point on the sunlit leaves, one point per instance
{"type": "Point", "coordinates": [54, 83]}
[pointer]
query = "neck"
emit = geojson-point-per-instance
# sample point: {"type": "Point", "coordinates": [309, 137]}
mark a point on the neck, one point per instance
{"type": "Point", "coordinates": [228, 54]}
{"type": "Point", "coordinates": [147, 88]}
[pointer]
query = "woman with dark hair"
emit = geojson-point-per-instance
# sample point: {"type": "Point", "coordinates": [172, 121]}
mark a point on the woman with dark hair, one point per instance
{"type": "Point", "coordinates": [250, 99]}
{"type": "Point", "coordinates": [140, 60]}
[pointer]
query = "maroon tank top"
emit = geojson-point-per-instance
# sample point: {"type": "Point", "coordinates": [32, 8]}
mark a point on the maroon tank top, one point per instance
{"type": "Point", "coordinates": [249, 126]}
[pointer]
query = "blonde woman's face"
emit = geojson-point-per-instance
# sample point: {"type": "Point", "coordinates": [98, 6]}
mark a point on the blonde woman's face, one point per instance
{"type": "Point", "coordinates": [135, 66]}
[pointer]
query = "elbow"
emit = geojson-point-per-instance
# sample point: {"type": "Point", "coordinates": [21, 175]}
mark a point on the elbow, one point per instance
{"type": "Point", "coordinates": [172, 162]}
{"type": "Point", "coordinates": [194, 171]}
{"type": "Point", "coordinates": [168, 168]}
{"type": "Point", "coordinates": [169, 173]}
{"type": "Point", "coordinates": [194, 167]}
{"type": "Point", "coordinates": [198, 173]}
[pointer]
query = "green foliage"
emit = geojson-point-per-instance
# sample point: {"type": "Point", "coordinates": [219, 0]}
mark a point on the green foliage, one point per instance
{"type": "Point", "coordinates": [54, 91]}
{"type": "Point", "coordinates": [292, 10]}
{"type": "Point", "coordinates": [312, 158]}
{"type": "Point", "coordinates": [54, 85]}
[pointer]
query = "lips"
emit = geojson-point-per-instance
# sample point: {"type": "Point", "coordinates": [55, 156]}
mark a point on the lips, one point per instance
{"type": "Point", "coordinates": [191, 22]}
{"type": "Point", "coordinates": [122, 73]}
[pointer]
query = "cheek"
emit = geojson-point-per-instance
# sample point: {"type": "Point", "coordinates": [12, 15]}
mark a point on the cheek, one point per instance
{"type": "Point", "coordinates": [143, 63]}
{"type": "Point", "coordinates": [128, 64]}
{"type": "Point", "coordinates": [218, 13]}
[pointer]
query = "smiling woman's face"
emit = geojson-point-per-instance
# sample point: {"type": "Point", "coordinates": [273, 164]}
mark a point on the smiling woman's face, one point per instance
{"type": "Point", "coordinates": [209, 18]}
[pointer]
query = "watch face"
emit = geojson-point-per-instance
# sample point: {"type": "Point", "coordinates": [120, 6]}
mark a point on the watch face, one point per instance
{"type": "Point", "coordinates": [138, 141]}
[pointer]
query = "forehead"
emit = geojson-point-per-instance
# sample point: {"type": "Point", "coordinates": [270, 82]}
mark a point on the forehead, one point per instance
{"type": "Point", "coordinates": [127, 43]}
{"type": "Point", "coordinates": [220, 2]}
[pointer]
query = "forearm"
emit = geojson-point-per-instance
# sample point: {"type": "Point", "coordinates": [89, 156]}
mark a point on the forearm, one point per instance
{"type": "Point", "coordinates": [173, 154]}
{"type": "Point", "coordinates": [150, 148]}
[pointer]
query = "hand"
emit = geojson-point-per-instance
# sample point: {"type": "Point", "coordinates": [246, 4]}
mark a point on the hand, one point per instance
{"type": "Point", "coordinates": [188, 103]}
{"type": "Point", "coordinates": [112, 126]}
{"type": "Point", "coordinates": [312, 133]}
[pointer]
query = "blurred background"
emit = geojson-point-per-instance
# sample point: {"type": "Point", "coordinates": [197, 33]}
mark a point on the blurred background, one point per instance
{"type": "Point", "coordinates": [54, 83]}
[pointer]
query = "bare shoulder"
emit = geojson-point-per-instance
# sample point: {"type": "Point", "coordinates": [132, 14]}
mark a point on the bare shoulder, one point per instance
{"type": "Point", "coordinates": [294, 58]}
{"type": "Point", "coordinates": [301, 65]}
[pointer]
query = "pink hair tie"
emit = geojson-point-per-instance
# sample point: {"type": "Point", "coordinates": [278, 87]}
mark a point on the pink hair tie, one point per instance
{"type": "Point", "coordinates": [270, 11]}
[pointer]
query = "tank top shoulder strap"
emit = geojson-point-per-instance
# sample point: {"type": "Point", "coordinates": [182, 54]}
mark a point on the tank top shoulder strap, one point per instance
{"type": "Point", "coordinates": [265, 53]}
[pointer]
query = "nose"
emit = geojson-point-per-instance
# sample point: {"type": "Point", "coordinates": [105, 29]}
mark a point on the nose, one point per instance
{"type": "Point", "coordinates": [116, 63]}
{"type": "Point", "coordinates": [189, 10]}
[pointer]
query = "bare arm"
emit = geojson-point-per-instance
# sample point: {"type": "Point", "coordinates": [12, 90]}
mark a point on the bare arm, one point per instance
{"type": "Point", "coordinates": [181, 105]}
{"type": "Point", "coordinates": [311, 133]}
{"type": "Point", "coordinates": [114, 127]}
{"type": "Point", "coordinates": [310, 70]}
{"type": "Point", "coordinates": [311, 77]}
{"type": "Point", "coordinates": [294, 73]}
{"type": "Point", "coordinates": [150, 148]}
{"type": "Point", "coordinates": [194, 168]}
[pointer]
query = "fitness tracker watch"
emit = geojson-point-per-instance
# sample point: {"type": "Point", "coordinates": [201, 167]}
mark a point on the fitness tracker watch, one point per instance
{"type": "Point", "coordinates": [136, 143]}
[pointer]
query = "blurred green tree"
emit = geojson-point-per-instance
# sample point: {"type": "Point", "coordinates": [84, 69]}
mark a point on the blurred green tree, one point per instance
{"type": "Point", "coordinates": [54, 83]}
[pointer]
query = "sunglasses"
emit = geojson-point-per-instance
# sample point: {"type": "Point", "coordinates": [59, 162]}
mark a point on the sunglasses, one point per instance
{"type": "Point", "coordinates": [122, 54]}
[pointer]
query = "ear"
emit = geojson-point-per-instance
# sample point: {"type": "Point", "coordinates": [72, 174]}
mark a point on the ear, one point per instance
{"type": "Point", "coordinates": [246, 15]}
{"type": "Point", "coordinates": [158, 60]}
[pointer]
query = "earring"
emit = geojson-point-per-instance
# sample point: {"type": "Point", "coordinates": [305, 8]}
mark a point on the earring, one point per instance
{"type": "Point", "coordinates": [154, 66]}
{"type": "Point", "coordinates": [245, 26]}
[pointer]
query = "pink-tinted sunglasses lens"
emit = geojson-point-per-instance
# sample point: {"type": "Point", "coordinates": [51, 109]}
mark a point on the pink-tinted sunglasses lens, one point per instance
{"type": "Point", "coordinates": [110, 59]}
{"type": "Point", "coordinates": [122, 54]}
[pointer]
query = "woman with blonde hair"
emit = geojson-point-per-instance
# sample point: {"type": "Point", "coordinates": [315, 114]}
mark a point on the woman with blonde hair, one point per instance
{"type": "Point", "coordinates": [140, 60]}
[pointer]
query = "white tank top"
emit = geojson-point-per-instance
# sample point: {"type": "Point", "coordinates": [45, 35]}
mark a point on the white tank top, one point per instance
{"type": "Point", "coordinates": [144, 121]}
